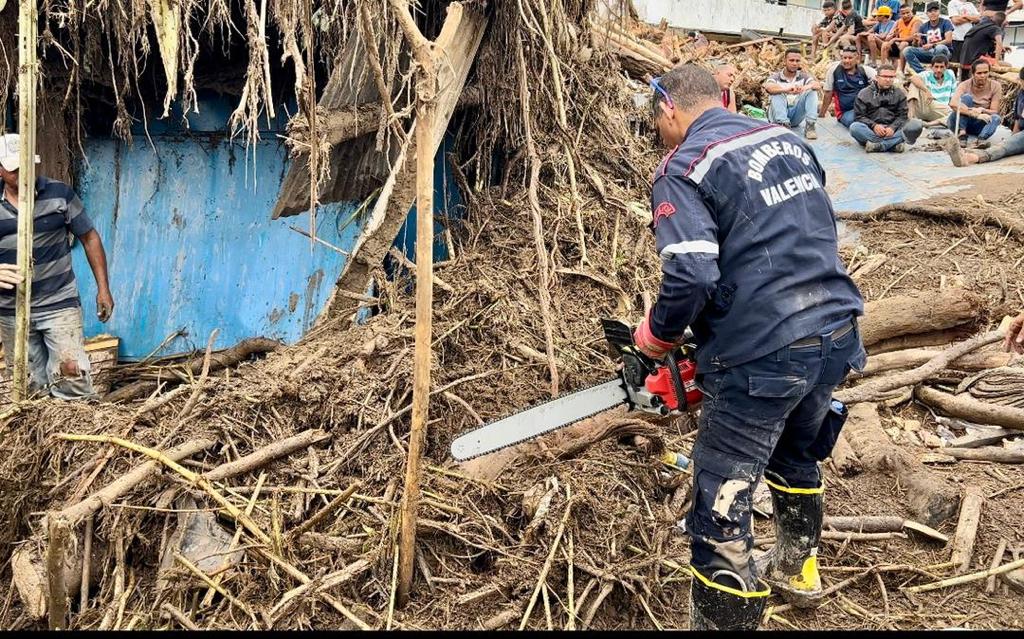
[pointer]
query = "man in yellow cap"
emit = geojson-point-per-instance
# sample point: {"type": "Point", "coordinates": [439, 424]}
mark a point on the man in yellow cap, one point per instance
{"type": "Point", "coordinates": [880, 36]}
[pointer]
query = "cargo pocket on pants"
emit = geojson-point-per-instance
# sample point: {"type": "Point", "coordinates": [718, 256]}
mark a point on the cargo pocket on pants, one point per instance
{"type": "Point", "coordinates": [777, 386]}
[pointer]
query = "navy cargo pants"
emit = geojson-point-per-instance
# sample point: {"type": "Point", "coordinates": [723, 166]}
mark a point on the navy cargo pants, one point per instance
{"type": "Point", "coordinates": [764, 414]}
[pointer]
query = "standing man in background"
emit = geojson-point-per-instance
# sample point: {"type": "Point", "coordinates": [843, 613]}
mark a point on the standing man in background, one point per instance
{"type": "Point", "coordinates": [58, 363]}
{"type": "Point", "coordinates": [964, 15]}
{"type": "Point", "coordinates": [725, 75]}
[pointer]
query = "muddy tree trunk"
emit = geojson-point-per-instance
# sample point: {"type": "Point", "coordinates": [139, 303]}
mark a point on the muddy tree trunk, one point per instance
{"type": "Point", "coordinates": [921, 312]}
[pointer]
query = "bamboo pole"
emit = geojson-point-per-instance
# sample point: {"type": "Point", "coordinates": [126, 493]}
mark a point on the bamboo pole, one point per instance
{"type": "Point", "coordinates": [426, 93]}
{"type": "Point", "coordinates": [28, 24]}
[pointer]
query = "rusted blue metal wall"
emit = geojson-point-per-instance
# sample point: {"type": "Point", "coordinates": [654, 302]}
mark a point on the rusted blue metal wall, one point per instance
{"type": "Point", "coordinates": [190, 241]}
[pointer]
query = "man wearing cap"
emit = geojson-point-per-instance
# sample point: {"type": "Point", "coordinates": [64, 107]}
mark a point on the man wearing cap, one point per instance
{"type": "Point", "coordinates": [881, 35]}
{"type": "Point", "coordinates": [58, 363]}
{"type": "Point", "coordinates": [749, 259]}
{"type": "Point", "coordinates": [934, 37]}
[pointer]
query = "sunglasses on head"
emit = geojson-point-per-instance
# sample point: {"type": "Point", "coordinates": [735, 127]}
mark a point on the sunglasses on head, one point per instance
{"type": "Point", "coordinates": [660, 89]}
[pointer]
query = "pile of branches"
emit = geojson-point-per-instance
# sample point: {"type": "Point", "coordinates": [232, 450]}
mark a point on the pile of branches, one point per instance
{"type": "Point", "coordinates": [292, 519]}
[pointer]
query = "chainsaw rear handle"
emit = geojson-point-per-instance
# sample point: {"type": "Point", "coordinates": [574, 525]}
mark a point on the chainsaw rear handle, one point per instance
{"type": "Point", "coordinates": [653, 387]}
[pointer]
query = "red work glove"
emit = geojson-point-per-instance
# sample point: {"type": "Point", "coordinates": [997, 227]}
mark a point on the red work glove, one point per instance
{"type": "Point", "coordinates": [648, 344]}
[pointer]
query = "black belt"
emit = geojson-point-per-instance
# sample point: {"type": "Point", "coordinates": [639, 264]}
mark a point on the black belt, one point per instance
{"type": "Point", "coordinates": [815, 340]}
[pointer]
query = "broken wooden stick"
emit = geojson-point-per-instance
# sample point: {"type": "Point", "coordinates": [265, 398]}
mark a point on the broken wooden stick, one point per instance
{"type": "Point", "coordinates": [997, 559]}
{"type": "Point", "coordinates": [966, 579]}
{"type": "Point", "coordinates": [967, 528]}
{"type": "Point", "coordinates": [881, 523]}
{"type": "Point", "coordinates": [966, 407]}
{"type": "Point", "coordinates": [106, 495]}
{"type": "Point", "coordinates": [59, 530]}
{"type": "Point", "coordinates": [932, 339]}
{"type": "Point", "coordinates": [326, 511]}
{"type": "Point", "coordinates": [267, 454]}
{"type": "Point", "coordinates": [876, 389]}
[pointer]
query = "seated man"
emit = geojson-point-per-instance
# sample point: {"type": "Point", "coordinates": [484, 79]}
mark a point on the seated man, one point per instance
{"type": "Point", "coordinates": [934, 37]}
{"type": "Point", "coordinates": [906, 31]}
{"type": "Point", "coordinates": [851, 25]}
{"type": "Point", "coordinates": [1013, 145]}
{"type": "Point", "coordinates": [929, 92]}
{"type": "Point", "coordinates": [794, 95]}
{"type": "Point", "coordinates": [725, 75]}
{"type": "Point", "coordinates": [978, 101]}
{"type": "Point", "coordinates": [881, 34]}
{"type": "Point", "coordinates": [881, 116]}
{"type": "Point", "coordinates": [822, 32]}
{"type": "Point", "coordinates": [843, 81]}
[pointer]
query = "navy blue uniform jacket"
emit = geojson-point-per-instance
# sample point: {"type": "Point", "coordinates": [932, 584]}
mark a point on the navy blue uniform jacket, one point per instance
{"type": "Point", "coordinates": [748, 245]}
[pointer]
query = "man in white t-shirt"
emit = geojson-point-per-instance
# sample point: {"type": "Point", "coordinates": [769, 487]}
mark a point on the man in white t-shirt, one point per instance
{"type": "Point", "coordinates": [963, 14]}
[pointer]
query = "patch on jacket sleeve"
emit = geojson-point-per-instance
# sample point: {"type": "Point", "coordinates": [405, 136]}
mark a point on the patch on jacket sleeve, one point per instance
{"type": "Point", "coordinates": [665, 209]}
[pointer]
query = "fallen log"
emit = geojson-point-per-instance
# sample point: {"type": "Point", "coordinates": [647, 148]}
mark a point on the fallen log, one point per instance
{"type": "Point", "coordinates": [966, 407]}
{"type": "Point", "coordinates": [226, 358]}
{"type": "Point", "coordinates": [878, 389]}
{"type": "Point", "coordinates": [967, 529]}
{"type": "Point", "coordinates": [930, 498]}
{"type": "Point", "coordinates": [991, 216]}
{"type": "Point", "coordinates": [921, 312]}
{"type": "Point", "coordinates": [913, 357]}
{"type": "Point", "coordinates": [987, 453]}
{"type": "Point", "coordinates": [997, 560]}
{"type": "Point", "coordinates": [921, 340]}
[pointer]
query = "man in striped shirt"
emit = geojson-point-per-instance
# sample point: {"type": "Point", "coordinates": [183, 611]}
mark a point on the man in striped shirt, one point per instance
{"type": "Point", "coordinates": [930, 91]}
{"type": "Point", "coordinates": [58, 363]}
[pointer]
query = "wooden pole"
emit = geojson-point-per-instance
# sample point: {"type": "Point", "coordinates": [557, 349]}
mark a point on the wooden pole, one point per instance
{"type": "Point", "coordinates": [426, 93]}
{"type": "Point", "coordinates": [27, 78]}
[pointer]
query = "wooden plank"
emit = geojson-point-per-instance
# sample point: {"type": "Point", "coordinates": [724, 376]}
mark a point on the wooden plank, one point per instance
{"type": "Point", "coordinates": [28, 78]}
{"type": "Point", "coordinates": [355, 166]}
{"type": "Point", "coordinates": [457, 47]}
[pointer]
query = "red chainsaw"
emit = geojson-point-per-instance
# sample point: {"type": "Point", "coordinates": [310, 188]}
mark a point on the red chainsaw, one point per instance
{"type": "Point", "coordinates": [643, 384]}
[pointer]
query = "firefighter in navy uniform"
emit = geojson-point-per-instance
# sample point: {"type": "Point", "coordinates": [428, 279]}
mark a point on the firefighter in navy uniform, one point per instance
{"type": "Point", "coordinates": [749, 254]}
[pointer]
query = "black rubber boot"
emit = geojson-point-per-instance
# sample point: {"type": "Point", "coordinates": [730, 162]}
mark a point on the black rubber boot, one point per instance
{"type": "Point", "coordinates": [792, 565]}
{"type": "Point", "coordinates": [721, 606]}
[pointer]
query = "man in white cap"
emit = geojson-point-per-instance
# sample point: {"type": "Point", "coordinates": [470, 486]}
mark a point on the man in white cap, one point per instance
{"type": "Point", "coordinates": [58, 363]}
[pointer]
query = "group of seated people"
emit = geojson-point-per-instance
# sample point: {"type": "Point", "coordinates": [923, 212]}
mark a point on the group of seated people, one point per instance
{"type": "Point", "coordinates": [895, 33]}
{"type": "Point", "coordinates": [886, 111]}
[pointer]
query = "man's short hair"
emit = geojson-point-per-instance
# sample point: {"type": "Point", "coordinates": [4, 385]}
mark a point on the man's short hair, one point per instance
{"type": "Point", "coordinates": [689, 85]}
{"type": "Point", "coordinates": [933, 6]}
{"type": "Point", "coordinates": [940, 59]}
{"type": "Point", "coordinates": [828, 4]}
{"type": "Point", "coordinates": [999, 17]}
{"type": "Point", "coordinates": [790, 51]}
{"type": "Point", "coordinates": [977, 63]}
{"type": "Point", "coordinates": [847, 5]}
{"type": "Point", "coordinates": [886, 67]}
